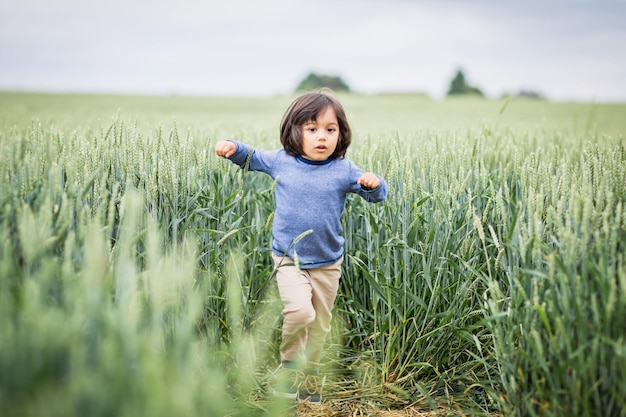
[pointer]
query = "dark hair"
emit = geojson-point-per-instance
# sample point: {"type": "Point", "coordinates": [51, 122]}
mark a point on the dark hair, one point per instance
{"type": "Point", "coordinates": [306, 108]}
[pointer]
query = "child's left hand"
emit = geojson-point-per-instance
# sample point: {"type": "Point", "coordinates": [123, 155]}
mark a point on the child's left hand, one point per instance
{"type": "Point", "coordinates": [369, 180]}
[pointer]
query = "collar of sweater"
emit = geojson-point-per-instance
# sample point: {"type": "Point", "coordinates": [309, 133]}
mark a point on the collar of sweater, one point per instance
{"type": "Point", "coordinates": [310, 162]}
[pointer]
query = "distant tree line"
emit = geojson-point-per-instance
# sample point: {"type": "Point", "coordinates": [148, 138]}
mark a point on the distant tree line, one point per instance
{"type": "Point", "coordinates": [315, 81]}
{"type": "Point", "coordinates": [530, 94]}
{"type": "Point", "coordinates": [458, 86]}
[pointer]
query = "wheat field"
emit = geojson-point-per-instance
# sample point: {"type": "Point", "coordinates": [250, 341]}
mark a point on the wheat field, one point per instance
{"type": "Point", "coordinates": [135, 276]}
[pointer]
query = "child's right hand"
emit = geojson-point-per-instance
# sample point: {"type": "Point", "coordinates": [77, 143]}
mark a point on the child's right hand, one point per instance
{"type": "Point", "coordinates": [225, 148]}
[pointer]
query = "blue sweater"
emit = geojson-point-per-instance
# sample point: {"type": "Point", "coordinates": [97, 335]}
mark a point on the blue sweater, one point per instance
{"type": "Point", "coordinates": [310, 195]}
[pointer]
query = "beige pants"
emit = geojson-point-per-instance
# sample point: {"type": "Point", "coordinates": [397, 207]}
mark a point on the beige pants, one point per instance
{"type": "Point", "coordinates": [308, 298]}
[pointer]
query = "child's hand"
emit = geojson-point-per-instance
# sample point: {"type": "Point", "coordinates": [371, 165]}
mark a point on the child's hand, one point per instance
{"type": "Point", "coordinates": [225, 148]}
{"type": "Point", "coordinates": [369, 180]}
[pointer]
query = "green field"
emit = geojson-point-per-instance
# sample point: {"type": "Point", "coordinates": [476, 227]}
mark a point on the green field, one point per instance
{"type": "Point", "coordinates": [135, 276]}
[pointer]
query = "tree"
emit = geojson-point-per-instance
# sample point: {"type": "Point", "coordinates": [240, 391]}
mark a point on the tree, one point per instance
{"type": "Point", "coordinates": [315, 81]}
{"type": "Point", "coordinates": [459, 86]}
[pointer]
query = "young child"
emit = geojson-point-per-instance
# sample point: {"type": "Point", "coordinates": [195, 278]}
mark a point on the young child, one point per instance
{"type": "Point", "coordinates": [313, 179]}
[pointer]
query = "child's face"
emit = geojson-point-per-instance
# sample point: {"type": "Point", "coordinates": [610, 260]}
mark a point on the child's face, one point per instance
{"type": "Point", "coordinates": [319, 137]}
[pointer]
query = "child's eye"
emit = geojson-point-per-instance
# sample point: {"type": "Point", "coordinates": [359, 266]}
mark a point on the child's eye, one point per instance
{"type": "Point", "coordinates": [311, 129]}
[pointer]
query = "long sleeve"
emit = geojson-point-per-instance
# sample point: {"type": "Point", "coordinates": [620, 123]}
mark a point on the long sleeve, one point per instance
{"type": "Point", "coordinates": [259, 160]}
{"type": "Point", "coordinates": [371, 195]}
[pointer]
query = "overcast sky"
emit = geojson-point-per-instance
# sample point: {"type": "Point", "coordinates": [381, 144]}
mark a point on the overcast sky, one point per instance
{"type": "Point", "coordinates": [565, 49]}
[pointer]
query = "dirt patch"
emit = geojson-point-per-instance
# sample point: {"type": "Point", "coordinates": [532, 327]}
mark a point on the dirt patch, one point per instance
{"type": "Point", "coordinates": [354, 409]}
